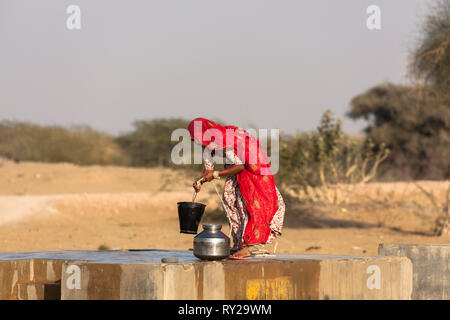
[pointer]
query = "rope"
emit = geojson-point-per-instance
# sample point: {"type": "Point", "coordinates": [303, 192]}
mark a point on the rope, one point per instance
{"type": "Point", "coordinates": [221, 200]}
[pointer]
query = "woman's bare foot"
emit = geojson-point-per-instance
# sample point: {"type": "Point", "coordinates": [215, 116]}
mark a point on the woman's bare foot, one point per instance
{"type": "Point", "coordinates": [242, 253]}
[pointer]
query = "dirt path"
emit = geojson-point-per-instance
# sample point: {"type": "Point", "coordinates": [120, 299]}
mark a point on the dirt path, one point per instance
{"type": "Point", "coordinates": [17, 208]}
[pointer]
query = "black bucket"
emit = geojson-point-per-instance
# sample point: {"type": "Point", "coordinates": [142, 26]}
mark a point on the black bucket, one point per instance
{"type": "Point", "coordinates": [190, 214]}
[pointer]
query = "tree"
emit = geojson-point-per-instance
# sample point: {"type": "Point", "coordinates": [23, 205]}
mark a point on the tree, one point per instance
{"type": "Point", "coordinates": [22, 141]}
{"type": "Point", "coordinates": [431, 59]}
{"type": "Point", "coordinates": [149, 144]}
{"type": "Point", "coordinates": [414, 123]}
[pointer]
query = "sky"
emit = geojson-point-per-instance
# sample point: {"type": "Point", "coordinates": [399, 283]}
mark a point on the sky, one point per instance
{"type": "Point", "coordinates": [264, 63]}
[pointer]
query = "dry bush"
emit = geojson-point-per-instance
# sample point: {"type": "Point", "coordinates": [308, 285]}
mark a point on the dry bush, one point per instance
{"type": "Point", "coordinates": [325, 166]}
{"type": "Point", "coordinates": [441, 225]}
{"type": "Point", "coordinates": [21, 141]}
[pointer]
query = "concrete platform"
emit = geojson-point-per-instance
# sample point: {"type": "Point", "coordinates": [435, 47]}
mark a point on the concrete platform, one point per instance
{"type": "Point", "coordinates": [139, 274]}
{"type": "Point", "coordinates": [431, 270]}
{"type": "Point", "coordinates": [19, 271]}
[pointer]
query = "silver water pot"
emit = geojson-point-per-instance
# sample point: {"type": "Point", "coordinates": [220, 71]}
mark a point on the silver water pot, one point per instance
{"type": "Point", "coordinates": [211, 243]}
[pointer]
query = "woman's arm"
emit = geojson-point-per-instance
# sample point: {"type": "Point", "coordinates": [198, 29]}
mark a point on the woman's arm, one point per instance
{"type": "Point", "coordinates": [208, 161]}
{"type": "Point", "coordinates": [234, 169]}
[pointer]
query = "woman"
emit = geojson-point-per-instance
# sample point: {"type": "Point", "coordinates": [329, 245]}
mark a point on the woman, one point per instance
{"type": "Point", "coordinates": [252, 202]}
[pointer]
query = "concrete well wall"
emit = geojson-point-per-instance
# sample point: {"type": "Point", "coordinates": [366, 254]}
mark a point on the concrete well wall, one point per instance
{"type": "Point", "coordinates": [140, 274]}
{"type": "Point", "coordinates": [431, 271]}
{"type": "Point", "coordinates": [286, 277]}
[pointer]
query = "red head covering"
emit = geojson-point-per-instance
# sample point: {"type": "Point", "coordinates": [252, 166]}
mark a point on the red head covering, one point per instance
{"type": "Point", "coordinates": [217, 137]}
{"type": "Point", "coordinates": [210, 134]}
{"type": "Point", "coordinates": [256, 182]}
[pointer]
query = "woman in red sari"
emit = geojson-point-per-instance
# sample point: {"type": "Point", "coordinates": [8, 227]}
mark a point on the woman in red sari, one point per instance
{"type": "Point", "coordinates": [252, 202]}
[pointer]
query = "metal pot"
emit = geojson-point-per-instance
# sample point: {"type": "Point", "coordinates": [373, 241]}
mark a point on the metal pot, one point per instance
{"type": "Point", "coordinates": [211, 243]}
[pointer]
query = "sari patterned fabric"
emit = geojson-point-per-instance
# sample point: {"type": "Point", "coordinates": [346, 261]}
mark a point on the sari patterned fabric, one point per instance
{"type": "Point", "coordinates": [260, 218]}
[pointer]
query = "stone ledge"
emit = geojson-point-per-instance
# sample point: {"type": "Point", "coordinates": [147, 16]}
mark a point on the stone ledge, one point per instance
{"type": "Point", "coordinates": [139, 274]}
{"type": "Point", "coordinates": [431, 271]}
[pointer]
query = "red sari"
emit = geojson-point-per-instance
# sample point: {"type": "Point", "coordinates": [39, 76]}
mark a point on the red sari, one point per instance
{"type": "Point", "coordinates": [256, 181]}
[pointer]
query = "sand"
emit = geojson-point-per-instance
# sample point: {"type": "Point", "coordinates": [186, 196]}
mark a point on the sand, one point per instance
{"type": "Point", "coordinates": [67, 207]}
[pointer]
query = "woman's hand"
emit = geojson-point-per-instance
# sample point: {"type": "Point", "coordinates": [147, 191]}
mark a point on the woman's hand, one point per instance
{"type": "Point", "coordinates": [197, 186]}
{"type": "Point", "coordinates": [208, 175]}
{"type": "Point", "coordinates": [202, 179]}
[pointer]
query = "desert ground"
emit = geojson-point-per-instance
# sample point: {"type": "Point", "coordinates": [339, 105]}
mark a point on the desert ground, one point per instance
{"type": "Point", "coordinates": [69, 207]}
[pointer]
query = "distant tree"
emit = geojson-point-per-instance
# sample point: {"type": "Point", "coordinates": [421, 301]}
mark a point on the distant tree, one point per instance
{"type": "Point", "coordinates": [149, 143]}
{"type": "Point", "coordinates": [22, 141]}
{"type": "Point", "coordinates": [431, 59]}
{"type": "Point", "coordinates": [414, 123]}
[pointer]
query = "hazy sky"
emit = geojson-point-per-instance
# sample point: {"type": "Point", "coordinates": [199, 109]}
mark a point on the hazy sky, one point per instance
{"type": "Point", "coordinates": [277, 63]}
